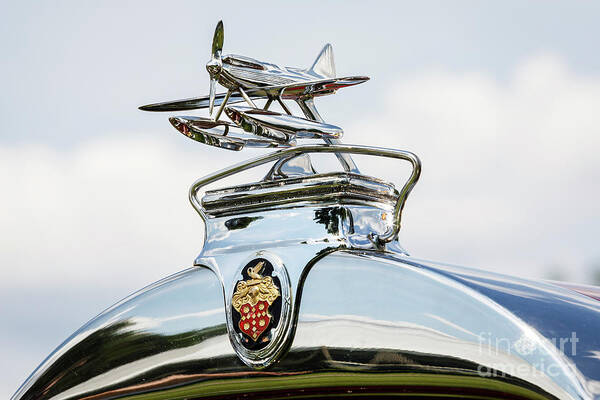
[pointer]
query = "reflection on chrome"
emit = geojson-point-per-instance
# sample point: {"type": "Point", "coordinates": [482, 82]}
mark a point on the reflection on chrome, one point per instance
{"type": "Point", "coordinates": [327, 302]}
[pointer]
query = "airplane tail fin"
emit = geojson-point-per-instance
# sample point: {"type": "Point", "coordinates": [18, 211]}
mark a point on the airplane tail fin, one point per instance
{"type": "Point", "coordinates": [324, 64]}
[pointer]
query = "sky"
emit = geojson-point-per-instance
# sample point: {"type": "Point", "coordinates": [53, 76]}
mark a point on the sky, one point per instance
{"type": "Point", "coordinates": [500, 101]}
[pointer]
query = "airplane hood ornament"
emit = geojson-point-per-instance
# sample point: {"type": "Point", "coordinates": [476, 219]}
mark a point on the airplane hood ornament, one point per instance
{"type": "Point", "coordinates": [249, 80]}
{"type": "Point", "coordinates": [356, 211]}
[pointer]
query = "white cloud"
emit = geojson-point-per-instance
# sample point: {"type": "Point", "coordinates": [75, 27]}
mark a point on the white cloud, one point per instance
{"type": "Point", "coordinates": [511, 169]}
{"type": "Point", "coordinates": [108, 213]}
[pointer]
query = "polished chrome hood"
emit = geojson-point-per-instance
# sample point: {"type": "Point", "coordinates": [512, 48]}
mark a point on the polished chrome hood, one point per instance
{"type": "Point", "coordinates": [367, 322]}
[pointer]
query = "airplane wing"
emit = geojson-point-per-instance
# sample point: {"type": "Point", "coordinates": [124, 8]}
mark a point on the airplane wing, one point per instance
{"type": "Point", "coordinates": [194, 103]}
{"type": "Point", "coordinates": [291, 91]}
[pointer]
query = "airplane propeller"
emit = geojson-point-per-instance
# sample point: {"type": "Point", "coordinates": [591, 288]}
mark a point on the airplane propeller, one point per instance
{"type": "Point", "coordinates": [215, 63]}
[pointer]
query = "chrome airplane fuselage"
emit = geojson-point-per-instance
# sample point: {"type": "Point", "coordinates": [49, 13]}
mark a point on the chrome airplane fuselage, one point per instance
{"type": "Point", "coordinates": [250, 73]}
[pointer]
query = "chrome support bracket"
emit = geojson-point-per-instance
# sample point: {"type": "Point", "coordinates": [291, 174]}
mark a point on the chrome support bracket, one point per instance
{"type": "Point", "coordinates": [382, 239]}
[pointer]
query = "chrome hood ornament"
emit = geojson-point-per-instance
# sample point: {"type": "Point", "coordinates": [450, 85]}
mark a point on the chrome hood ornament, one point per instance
{"type": "Point", "coordinates": [301, 288]}
{"type": "Point", "coordinates": [248, 80]}
{"type": "Point", "coordinates": [357, 211]}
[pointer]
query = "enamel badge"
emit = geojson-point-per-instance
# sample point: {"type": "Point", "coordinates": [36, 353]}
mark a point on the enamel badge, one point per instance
{"type": "Point", "coordinates": [258, 317]}
{"type": "Point", "coordinates": [253, 300]}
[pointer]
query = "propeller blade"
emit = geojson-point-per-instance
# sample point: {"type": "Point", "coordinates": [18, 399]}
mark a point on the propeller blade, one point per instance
{"type": "Point", "coordinates": [213, 88]}
{"type": "Point", "coordinates": [214, 65]}
{"type": "Point", "coordinates": [217, 44]}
